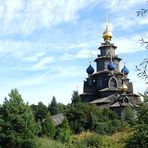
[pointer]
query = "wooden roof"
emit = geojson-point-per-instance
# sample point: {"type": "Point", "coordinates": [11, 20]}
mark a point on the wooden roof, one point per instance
{"type": "Point", "coordinates": [57, 119]}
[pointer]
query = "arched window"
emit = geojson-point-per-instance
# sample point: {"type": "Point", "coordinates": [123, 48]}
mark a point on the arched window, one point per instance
{"type": "Point", "coordinates": [113, 82]}
{"type": "Point", "coordinates": [126, 100]}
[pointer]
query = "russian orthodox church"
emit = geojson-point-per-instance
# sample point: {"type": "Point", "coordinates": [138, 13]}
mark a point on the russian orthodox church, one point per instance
{"type": "Point", "coordinates": [108, 87]}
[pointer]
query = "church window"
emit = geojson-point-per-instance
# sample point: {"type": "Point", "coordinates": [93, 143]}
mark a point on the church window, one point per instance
{"type": "Point", "coordinates": [99, 83]}
{"type": "Point", "coordinates": [112, 82]}
{"type": "Point", "coordinates": [103, 52]}
{"type": "Point", "coordinates": [126, 100]}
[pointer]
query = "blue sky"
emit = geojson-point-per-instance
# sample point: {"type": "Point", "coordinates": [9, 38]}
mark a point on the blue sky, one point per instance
{"type": "Point", "coordinates": [46, 45]}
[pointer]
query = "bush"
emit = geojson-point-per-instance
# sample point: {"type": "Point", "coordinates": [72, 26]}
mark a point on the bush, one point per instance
{"type": "Point", "coordinates": [93, 141]}
{"type": "Point", "coordinates": [139, 138]}
{"type": "Point", "coordinates": [48, 143]}
{"type": "Point", "coordinates": [98, 141]}
{"type": "Point", "coordinates": [130, 116]}
{"type": "Point", "coordinates": [83, 117]}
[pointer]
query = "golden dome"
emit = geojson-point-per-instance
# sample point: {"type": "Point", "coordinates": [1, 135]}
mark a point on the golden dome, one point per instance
{"type": "Point", "coordinates": [124, 87]}
{"type": "Point", "coordinates": [107, 34]}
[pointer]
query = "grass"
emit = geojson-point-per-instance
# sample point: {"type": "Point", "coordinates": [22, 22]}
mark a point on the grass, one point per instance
{"type": "Point", "coordinates": [114, 141]}
{"type": "Point", "coordinates": [48, 143]}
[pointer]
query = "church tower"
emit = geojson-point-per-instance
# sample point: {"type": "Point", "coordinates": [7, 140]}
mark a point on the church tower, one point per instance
{"type": "Point", "coordinates": [108, 87]}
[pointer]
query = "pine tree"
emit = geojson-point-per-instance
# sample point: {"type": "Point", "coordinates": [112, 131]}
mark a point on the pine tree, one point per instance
{"type": "Point", "coordinates": [17, 125]}
{"type": "Point", "coordinates": [40, 111]}
{"type": "Point", "coordinates": [48, 128]}
{"type": "Point", "coordinates": [75, 98]}
{"type": "Point", "coordinates": [64, 131]}
{"type": "Point", "coordinates": [53, 108]}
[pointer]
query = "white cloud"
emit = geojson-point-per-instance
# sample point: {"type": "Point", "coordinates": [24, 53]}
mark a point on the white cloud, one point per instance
{"type": "Point", "coordinates": [123, 13]}
{"type": "Point", "coordinates": [86, 53]}
{"type": "Point", "coordinates": [19, 16]}
{"type": "Point", "coordinates": [34, 57]}
{"type": "Point", "coordinates": [44, 62]}
{"type": "Point", "coordinates": [128, 22]}
{"type": "Point", "coordinates": [139, 85]}
{"type": "Point", "coordinates": [122, 5]}
{"type": "Point", "coordinates": [18, 48]}
{"type": "Point", "coordinates": [126, 44]}
{"type": "Point", "coordinates": [81, 54]}
{"type": "Point", "coordinates": [67, 57]}
{"type": "Point", "coordinates": [36, 64]}
{"type": "Point", "coordinates": [129, 44]}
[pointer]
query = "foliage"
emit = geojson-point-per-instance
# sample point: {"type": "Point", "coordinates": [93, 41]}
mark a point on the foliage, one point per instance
{"type": "Point", "coordinates": [140, 136]}
{"type": "Point", "coordinates": [130, 116]}
{"type": "Point", "coordinates": [79, 116]}
{"type": "Point", "coordinates": [98, 141]}
{"type": "Point", "coordinates": [142, 68]}
{"type": "Point", "coordinates": [142, 112]}
{"type": "Point", "coordinates": [48, 143]}
{"type": "Point", "coordinates": [83, 117]}
{"type": "Point", "coordinates": [40, 111]}
{"type": "Point", "coordinates": [61, 108]}
{"type": "Point", "coordinates": [18, 127]}
{"type": "Point", "coordinates": [81, 136]}
{"type": "Point", "coordinates": [94, 141]}
{"type": "Point", "coordinates": [64, 132]}
{"type": "Point", "coordinates": [120, 137]}
{"type": "Point", "coordinates": [48, 128]}
{"type": "Point", "coordinates": [53, 108]}
{"type": "Point", "coordinates": [110, 127]}
{"type": "Point", "coordinates": [142, 12]}
{"type": "Point", "coordinates": [75, 98]}
{"type": "Point", "coordinates": [84, 139]}
{"type": "Point", "coordinates": [145, 96]}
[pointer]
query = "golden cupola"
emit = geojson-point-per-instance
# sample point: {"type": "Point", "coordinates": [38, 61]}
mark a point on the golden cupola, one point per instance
{"type": "Point", "coordinates": [124, 87]}
{"type": "Point", "coordinates": [107, 34]}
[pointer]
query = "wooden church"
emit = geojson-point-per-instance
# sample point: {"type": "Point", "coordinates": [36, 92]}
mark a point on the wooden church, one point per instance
{"type": "Point", "coordinates": [108, 87]}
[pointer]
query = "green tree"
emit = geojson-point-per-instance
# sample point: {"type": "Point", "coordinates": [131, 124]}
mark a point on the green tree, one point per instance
{"type": "Point", "coordinates": [130, 116]}
{"type": "Point", "coordinates": [18, 127]}
{"type": "Point", "coordinates": [75, 98]}
{"type": "Point", "coordinates": [48, 128]}
{"type": "Point", "coordinates": [61, 107]}
{"type": "Point", "coordinates": [40, 111]}
{"type": "Point", "coordinates": [53, 108]}
{"type": "Point", "coordinates": [64, 132]}
{"type": "Point", "coordinates": [140, 136]}
{"type": "Point", "coordinates": [83, 117]}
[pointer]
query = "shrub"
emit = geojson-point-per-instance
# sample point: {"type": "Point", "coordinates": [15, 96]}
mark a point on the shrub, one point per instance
{"type": "Point", "coordinates": [92, 141]}
{"type": "Point", "coordinates": [83, 117]}
{"type": "Point", "coordinates": [48, 143]}
{"type": "Point", "coordinates": [139, 138]}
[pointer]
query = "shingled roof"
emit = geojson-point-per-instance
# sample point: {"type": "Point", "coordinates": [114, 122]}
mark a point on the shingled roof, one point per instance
{"type": "Point", "coordinates": [57, 119]}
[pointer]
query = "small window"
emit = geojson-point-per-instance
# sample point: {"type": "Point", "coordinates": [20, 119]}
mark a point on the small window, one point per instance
{"type": "Point", "coordinates": [113, 82]}
{"type": "Point", "coordinates": [126, 100]}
